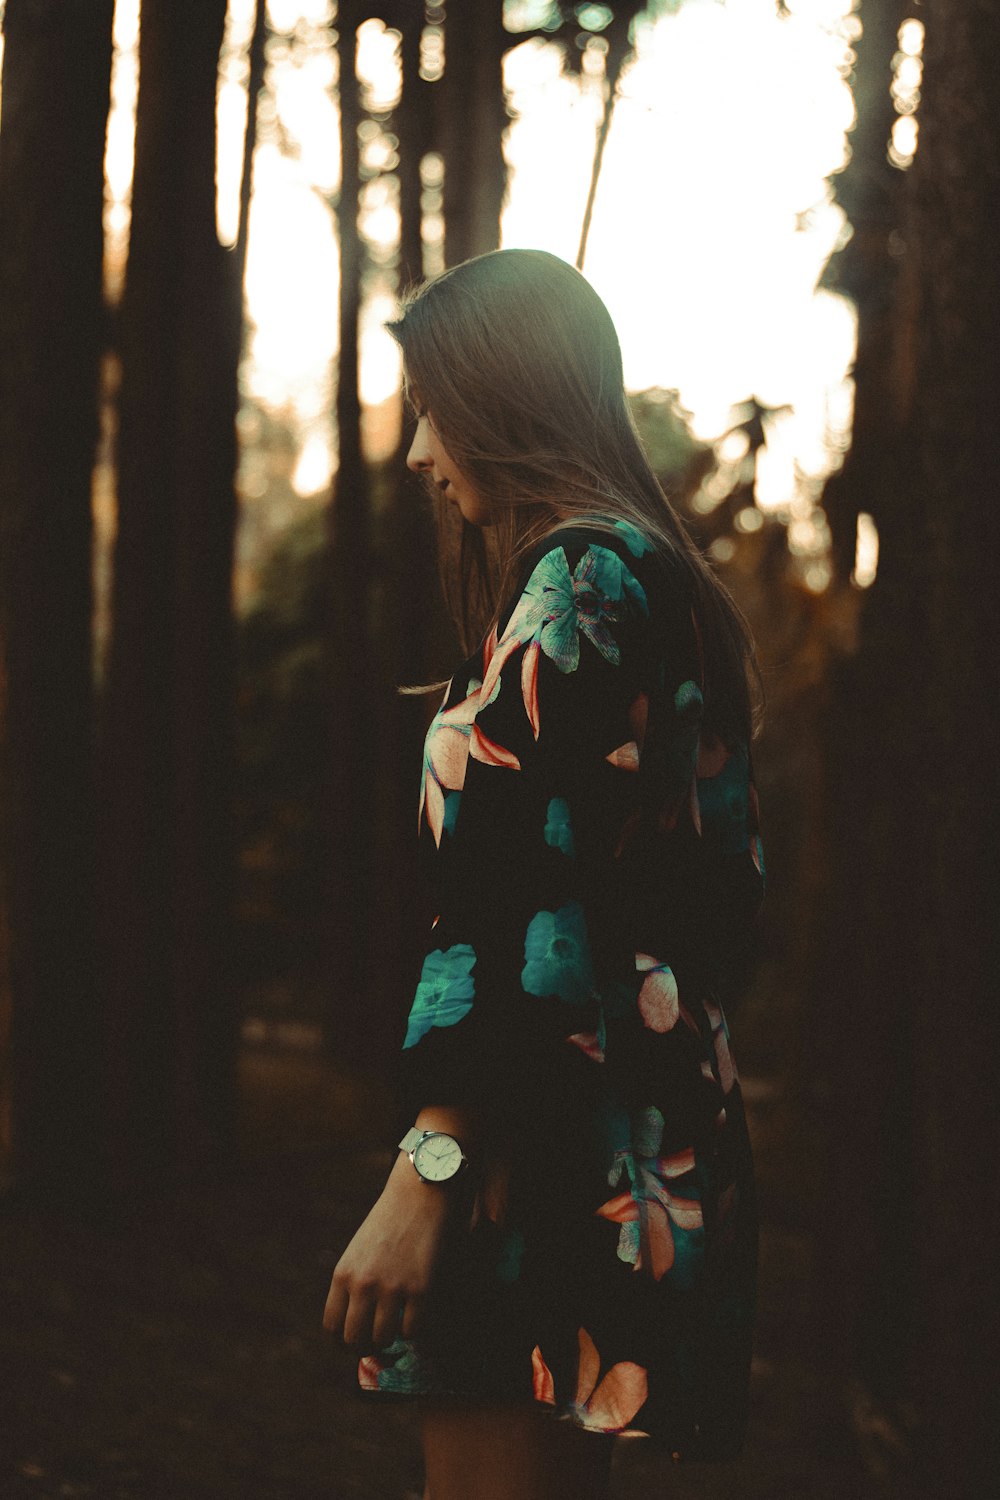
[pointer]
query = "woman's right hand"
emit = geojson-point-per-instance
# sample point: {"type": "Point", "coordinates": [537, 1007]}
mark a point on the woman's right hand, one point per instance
{"type": "Point", "coordinates": [380, 1282]}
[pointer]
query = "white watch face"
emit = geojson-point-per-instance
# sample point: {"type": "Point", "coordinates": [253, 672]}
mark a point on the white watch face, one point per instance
{"type": "Point", "coordinates": [437, 1157]}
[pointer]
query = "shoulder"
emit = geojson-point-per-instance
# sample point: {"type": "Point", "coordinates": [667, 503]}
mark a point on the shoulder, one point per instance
{"type": "Point", "coordinates": [575, 537]}
{"type": "Point", "coordinates": [593, 563]}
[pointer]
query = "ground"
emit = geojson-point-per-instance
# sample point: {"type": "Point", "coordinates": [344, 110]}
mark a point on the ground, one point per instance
{"type": "Point", "coordinates": [176, 1353]}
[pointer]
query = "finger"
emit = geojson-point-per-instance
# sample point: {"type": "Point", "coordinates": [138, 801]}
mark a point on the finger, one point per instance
{"type": "Point", "coordinates": [386, 1326]}
{"type": "Point", "coordinates": [337, 1300]}
{"type": "Point", "coordinates": [413, 1314]}
{"type": "Point", "coordinates": [358, 1321]}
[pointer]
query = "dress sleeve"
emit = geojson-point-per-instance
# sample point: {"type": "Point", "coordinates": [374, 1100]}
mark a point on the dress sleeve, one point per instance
{"type": "Point", "coordinates": [529, 787]}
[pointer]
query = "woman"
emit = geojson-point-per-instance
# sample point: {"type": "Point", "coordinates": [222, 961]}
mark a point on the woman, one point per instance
{"type": "Point", "coordinates": [569, 1227]}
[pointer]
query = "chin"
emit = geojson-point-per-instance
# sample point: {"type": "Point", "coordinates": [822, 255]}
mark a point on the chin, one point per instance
{"type": "Point", "coordinates": [476, 514]}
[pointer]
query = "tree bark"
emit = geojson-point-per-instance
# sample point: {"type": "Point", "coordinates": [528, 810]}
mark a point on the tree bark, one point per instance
{"type": "Point", "coordinates": [167, 845]}
{"type": "Point", "coordinates": [473, 121]}
{"type": "Point", "coordinates": [905, 1029]}
{"type": "Point", "coordinates": [950, 411]}
{"type": "Point", "coordinates": [51, 317]}
{"type": "Point", "coordinates": [356, 1023]}
{"type": "Point", "coordinates": [414, 621]}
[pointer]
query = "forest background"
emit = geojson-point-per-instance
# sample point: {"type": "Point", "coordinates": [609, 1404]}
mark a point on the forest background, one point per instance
{"type": "Point", "coordinates": [206, 773]}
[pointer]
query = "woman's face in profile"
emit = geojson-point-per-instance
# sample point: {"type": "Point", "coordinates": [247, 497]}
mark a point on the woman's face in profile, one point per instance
{"type": "Point", "coordinates": [429, 457]}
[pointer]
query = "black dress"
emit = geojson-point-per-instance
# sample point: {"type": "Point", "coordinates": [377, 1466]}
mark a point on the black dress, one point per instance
{"type": "Point", "coordinates": [595, 857]}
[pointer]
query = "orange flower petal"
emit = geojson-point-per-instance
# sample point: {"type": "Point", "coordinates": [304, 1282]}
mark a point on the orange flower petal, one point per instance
{"type": "Point", "coordinates": [588, 1044]}
{"type": "Point", "coordinates": [491, 676]}
{"type": "Point", "coordinates": [368, 1372]}
{"type": "Point", "coordinates": [625, 758]}
{"type": "Point", "coordinates": [620, 1210]}
{"type": "Point", "coordinates": [689, 1019]}
{"type": "Point", "coordinates": [449, 755]}
{"type": "Point", "coordinates": [685, 1212]}
{"type": "Point", "coordinates": [658, 1001]}
{"type": "Point", "coordinates": [632, 822]}
{"type": "Point", "coordinates": [529, 684]}
{"type": "Point", "coordinates": [619, 1396]}
{"type": "Point", "coordinates": [638, 714]}
{"type": "Point", "coordinates": [435, 808]}
{"type": "Point", "coordinates": [489, 646]}
{"type": "Point", "coordinates": [588, 1368]}
{"type": "Point", "coordinates": [712, 756]}
{"type": "Point", "coordinates": [695, 807]}
{"type": "Point", "coordinates": [755, 854]}
{"type": "Point", "coordinates": [656, 1244]}
{"type": "Point", "coordinates": [490, 753]}
{"type": "Point", "coordinates": [727, 1073]}
{"type": "Point", "coordinates": [542, 1383]}
{"type": "Point", "coordinates": [678, 1162]}
{"type": "Point", "coordinates": [463, 712]}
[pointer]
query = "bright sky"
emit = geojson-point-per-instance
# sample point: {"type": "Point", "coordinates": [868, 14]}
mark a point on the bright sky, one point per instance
{"type": "Point", "coordinates": [712, 224]}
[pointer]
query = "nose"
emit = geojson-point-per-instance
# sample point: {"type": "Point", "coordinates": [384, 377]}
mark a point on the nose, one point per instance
{"type": "Point", "coordinates": [419, 456]}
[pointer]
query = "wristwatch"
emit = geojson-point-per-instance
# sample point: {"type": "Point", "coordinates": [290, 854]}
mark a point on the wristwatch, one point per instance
{"type": "Point", "coordinates": [436, 1156]}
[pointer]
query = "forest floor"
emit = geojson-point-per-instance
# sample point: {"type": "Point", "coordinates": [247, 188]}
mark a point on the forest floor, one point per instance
{"type": "Point", "coordinates": [177, 1354]}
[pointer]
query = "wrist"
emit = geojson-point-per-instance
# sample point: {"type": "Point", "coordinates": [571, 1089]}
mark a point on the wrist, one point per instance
{"type": "Point", "coordinates": [453, 1120]}
{"type": "Point", "coordinates": [436, 1155]}
{"type": "Point", "coordinates": [405, 1184]}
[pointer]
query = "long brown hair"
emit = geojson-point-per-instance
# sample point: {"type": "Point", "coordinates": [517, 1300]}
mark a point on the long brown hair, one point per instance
{"type": "Point", "coordinates": [516, 361]}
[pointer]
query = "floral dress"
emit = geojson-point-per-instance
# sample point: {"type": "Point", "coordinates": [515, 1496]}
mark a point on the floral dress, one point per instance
{"type": "Point", "coordinates": [595, 857]}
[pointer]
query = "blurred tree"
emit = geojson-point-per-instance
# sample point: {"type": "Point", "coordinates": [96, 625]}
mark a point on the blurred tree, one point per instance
{"type": "Point", "coordinates": [349, 812]}
{"type": "Point", "coordinates": [472, 120]}
{"type": "Point", "coordinates": [413, 634]}
{"type": "Point", "coordinates": [51, 196]}
{"type": "Point", "coordinates": [167, 785]}
{"type": "Point", "coordinates": [905, 1009]}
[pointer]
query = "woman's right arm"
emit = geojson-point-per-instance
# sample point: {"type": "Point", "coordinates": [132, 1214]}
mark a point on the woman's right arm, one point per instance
{"type": "Point", "coordinates": [382, 1277]}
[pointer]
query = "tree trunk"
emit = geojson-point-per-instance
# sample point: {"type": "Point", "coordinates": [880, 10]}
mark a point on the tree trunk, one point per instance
{"type": "Point", "coordinates": [951, 431]}
{"type": "Point", "coordinates": [51, 315]}
{"type": "Point", "coordinates": [905, 1009]}
{"type": "Point", "coordinates": [415, 631]}
{"type": "Point", "coordinates": [473, 121]}
{"type": "Point", "coordinates": [167, 755]}
{"type": "Point", "coordinates": [349, 816]}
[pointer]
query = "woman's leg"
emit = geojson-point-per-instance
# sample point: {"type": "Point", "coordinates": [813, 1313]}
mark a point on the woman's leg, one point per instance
{"type": "Point", "coordinates": [511, 1453]}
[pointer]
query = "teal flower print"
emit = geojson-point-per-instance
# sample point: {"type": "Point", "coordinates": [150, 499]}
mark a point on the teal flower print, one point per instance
{"type": "Point", "coordinates": [558, 829]}
{"type": "Point", "coordinates": [511, 1254]}
{"type": "Point", "coordinates": [557, 954]}
{"type": "Point", "coordinates": [397, 1369]}
{"type": "Point", "coordinates": [724, 801]}
{"type": "Point", "coordinates": [689, 703]}
{"type": "Point", "coordinates": [444, 993]}
{"type": "Point", "coordinates": [557, 605]}
{"type": "Point", "coordinates": [635, 541]}
{"type": "Point", "coordinates": [680, 757]}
